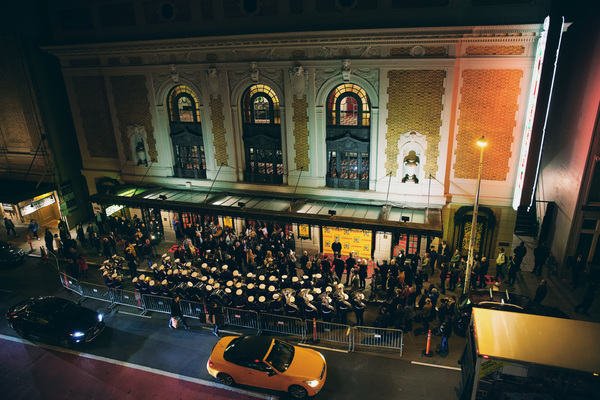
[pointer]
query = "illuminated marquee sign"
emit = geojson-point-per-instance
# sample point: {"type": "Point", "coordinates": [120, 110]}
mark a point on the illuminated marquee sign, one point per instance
{"type": "Point", "coordinates": [533, 94]}
{"type": "Point", "coordinates": [37, 204]}
{"type": "Point", "coordinates": [110, 210]}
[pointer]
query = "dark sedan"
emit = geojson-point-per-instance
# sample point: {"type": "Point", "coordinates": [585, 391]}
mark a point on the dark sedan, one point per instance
{"type": "Point", "coordinates": [55, 318]}
{"type": "Point", "coordinates": [10, 255]}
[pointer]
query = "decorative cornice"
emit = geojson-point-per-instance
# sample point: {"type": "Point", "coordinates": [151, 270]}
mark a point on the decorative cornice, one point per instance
{"type": "Point", "coordinates": [269, 46]}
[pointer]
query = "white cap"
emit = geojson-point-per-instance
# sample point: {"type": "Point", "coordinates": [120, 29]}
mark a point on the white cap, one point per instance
{"type": "Point", "coordinates": [227, 290]}
{"type": "Point", "coordinates": [284, 277]}
{"type": "Point", "coordinates": [261, 278]}
{"type": "Point", "coordinates": [164, 255]}
{"type": "Point", "coordinates": [271, 288]}
{"type": "Point", "coordinates": [261, 299]}
{"type": "Point", "coordinates": [328, 289]}
{"type": "Point", "coordinates": [238, 285]}
{"type": "Point", "coordinates": [164, 282]}
{"type": "Point", "coordinates": [317, 291]}
{"type": "Point", "coordinates": [262, 286]}
{"type": "Point", "coordinates": [154, 266]}
{"type": "Point", "coordinates": [217, 285]}
{"type": "Point", "coordinates": [318, 276]}
{"type": "Point", "coordinates": [238, 292]}
{"type": "Point", "coordinates": [230, 283]}
{"type": "Point", "coordinates": [276, 296]}
{"type": "Point", "coordinates": [305, 277]}
{"type": "Point", "coordinates": [251, 299]}
{"type": "Point", "coordinates": [209, 288]}
{"type": "Point", "coordinates": [224, 267]}
{"type": "Point", "coordinates": [295, 279]}
{"type": "Point", "coordinates": [194, 274]}
{"type": "Point", "coordinates": [251, 286]}
{"type": "Point", "coordinates": [177, 260]}
{"type": "Point", "coordinates": [310, 297]}
{"type": "Point", "coordinates": [142, 277]}
{"type": "Point", "coordinates": [211, 281]}
{"type": "Point", "coordinates": [152, 283]}
{"type": "Point", "coordinates": [134, 280]}
{"type": "Point", "coordinates": [188, 264]}
{"type": "Point", "coordinates": [204, 265]}
{"type": "Point", "coordinates": [167, 258]}
{"type": "Point", "coordinates": [204, 278]}
{"type": "Point", "coordinates": [236, 272]}
{"type": "Point", "coordinates": [272, 278]}
{"type": "Point", "coordinates": [213, 269]}
{"type": "Point", "coordinates": [190, 284]}
{"type": "Point", "coordinates": [249, 275]}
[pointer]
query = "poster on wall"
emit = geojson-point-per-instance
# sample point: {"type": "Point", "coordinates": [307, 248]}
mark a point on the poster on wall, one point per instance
{"type": "Point", "coordinates": [228, 222]}
{"type": "Point", "coordinates": [355, 240]}
{"type": "Point", "coordinates": [304, 231]}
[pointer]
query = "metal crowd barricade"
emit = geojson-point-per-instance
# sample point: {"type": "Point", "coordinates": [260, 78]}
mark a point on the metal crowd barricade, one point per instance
{"type": "Point", "coordinates": [383, 338]}
{"type": "Point", "coordinates": [330, 332]}
{"type": "Point", "coordinates": [241, 318]}
{"type": "Point", "coordinates": [156, 303]}
{"type": "Point", "coordinates": [127, 298]}
{"type": "Point", "coordinates": [70, 283]}
{"type": "Point", "coordinates": [282, 325]}
{"type": "Point", "coordinates": [97, 292]}
{"type": "Point", "coordinates": [193, 309]}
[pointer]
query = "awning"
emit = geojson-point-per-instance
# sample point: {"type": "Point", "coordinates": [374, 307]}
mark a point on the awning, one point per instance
{"type": "Point", "coordinates": [282, 208]}
{"type": "Point", "coordinates": [14, 192]}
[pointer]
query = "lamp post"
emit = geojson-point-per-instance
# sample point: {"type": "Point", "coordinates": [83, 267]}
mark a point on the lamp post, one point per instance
{"type": "Point", "coordinates": [481, 142]}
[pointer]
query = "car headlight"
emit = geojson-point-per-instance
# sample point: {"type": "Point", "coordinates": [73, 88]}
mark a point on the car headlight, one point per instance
{"type": "Point", "coordinates": [313, 383]}
{"type": "Point", "coordinates": [100, 317]}
{"type": "Point", "coordinates": [78, 334]}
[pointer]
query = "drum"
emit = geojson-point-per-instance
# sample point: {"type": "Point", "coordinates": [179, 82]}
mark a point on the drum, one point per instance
{"type": "Point", "coordinates": [218, 296]}
{"type": "Point", "coordinates": [200, 287]}
{"type": "Point", "coordinates": [180, 289]}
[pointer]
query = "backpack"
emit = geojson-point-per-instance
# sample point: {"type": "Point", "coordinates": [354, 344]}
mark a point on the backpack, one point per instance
{"type": "Point", "coordinates": [500, 259]}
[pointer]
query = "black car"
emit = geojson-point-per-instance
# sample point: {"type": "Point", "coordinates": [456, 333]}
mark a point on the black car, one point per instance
{"type": "Point", "coordinates": [497, 300]}
{"type": "Point", "coordinates": [10, 255]}
{"type": "Point", "coordinates": [55, 318]}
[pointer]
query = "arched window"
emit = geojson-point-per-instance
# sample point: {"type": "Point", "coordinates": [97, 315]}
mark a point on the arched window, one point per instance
{"type": "Point", "coordinates": [262, 135]}
{"type": "Point", "coordinates": [186, 133]}
{"type": "Point", "coordinates": [348, 137]}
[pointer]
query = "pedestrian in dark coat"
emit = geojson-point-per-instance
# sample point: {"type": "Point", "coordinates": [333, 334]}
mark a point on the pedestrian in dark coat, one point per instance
{"type": "Point", "coordinates": [443, 277]}
{"type": "Point", "coordinates": [10, 226]}
{"type": "Point", "coordinates": [577, 267]}
{"type": "Point", "coordinates": [540, 255]}
{"type": "Point", "coordinates": [176, 312]}
{"type": "Point", "coordinates": [484, 265]}
{"type": "Point", "coordinates": [513, 268]}
{"type": "Point", "coordinates": [588, 297]}
{"type": "Point", "coordinates": [540, 292]}
{"type": "Point", "coordinates": [49, 239]}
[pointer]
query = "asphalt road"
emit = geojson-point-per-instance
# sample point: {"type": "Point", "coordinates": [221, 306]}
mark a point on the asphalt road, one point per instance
{"type": "Point", "coordinates": [147, 341]}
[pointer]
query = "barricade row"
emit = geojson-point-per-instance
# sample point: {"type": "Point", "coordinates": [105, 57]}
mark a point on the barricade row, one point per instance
{"type": "Point", "coordinates": [352, 337]}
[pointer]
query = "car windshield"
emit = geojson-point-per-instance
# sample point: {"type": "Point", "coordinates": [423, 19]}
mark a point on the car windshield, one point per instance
{"type": "Point", "coordinates": [281, 356]}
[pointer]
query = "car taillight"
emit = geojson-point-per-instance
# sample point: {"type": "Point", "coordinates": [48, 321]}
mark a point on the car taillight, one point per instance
{"type": "Point", "coordinates": [210, 363]}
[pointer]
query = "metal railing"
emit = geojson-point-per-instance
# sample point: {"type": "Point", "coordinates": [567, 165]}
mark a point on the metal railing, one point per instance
{"type": "Point", "coordinates": [97, 292]}
{"type": "Point", "coordinates": [353, 337]}
{"type": "Point", "coordinates": [283, 325]}
{"type": "Point", "coordinates": [156, 303]}
{"type": "Point", "coordinates": [383, 338]}
{"type": "Point", "coordinates": [330, 332]}
{"type": "Point", "coordinates": [70, 283]}
{"type": "Point", "coordinates": [242, 318]}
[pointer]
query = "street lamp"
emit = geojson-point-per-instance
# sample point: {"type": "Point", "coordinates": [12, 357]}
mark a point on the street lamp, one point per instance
{"type": "Point", "coordinates": [481, 142]}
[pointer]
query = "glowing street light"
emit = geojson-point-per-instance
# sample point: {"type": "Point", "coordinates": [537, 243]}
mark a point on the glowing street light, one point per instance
{"type": "Point", "coordinates": [481, 142]}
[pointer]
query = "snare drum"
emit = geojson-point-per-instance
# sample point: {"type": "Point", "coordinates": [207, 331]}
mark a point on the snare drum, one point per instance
{"type": "Point", "coordinates": [218, 296]}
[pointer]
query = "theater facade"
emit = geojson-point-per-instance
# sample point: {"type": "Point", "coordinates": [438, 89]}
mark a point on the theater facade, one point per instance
{"type": "Point", "coordinates": [369, 135]}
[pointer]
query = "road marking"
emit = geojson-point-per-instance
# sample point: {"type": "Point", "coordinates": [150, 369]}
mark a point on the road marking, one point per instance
{"type": "Point", "coordinates": [134, 314]}
{"type": "Point", "coordinates": [322, 348]}
{"type": "Point", "coordinates": [141, 368]}
{"type": "Point", "coordinates": [435, 365]}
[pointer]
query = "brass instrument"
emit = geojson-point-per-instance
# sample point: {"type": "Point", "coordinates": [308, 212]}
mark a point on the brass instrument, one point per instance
{"type": "Point", "coordinates": [326, 301]}
{"type": "Point", "coordinates": [358, 298]}
{"type": "Point", "coordinates": [305, 294]}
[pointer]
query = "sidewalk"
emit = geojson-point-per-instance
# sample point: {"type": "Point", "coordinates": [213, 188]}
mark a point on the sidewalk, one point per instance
{"type": "Point", "coordinates": [559, 294]}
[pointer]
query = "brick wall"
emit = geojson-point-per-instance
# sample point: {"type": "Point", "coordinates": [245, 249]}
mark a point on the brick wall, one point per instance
{"type": "Point", "coordinates": [300, 118]}
{"type": "Point", "coordinates": [415, 104]}
{"type": "Point", "coordinates": [94, 113]}
{"type": "Point", "coordinates": [133, 108]}
{"type": "Point", "coordinates": [218, 129]}
{"type": "Point", "coordinates": [14, 102]}
{"type": "Point", "coordinates": [488, 107]}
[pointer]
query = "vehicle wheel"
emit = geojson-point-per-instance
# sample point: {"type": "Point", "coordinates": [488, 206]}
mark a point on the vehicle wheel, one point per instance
{"type": "Point", "coordinates": [19, 331]}
{"type": "Point", "coordinates": [298, 392]}
{"type": "Point", "coordinates": [225, 379]}
{"type": "Point", "coordinates": [64, 342]}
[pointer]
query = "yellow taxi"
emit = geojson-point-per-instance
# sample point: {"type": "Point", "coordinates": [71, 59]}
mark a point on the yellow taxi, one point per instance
{"type": "Point", "coordinates": [268, 363]}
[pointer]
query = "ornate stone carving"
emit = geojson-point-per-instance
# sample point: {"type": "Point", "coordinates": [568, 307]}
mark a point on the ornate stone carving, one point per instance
{"type": "Point", "coordinates": [213, 77]}
{"type": "Point", "coordinates": [254, 71]}
{"type": "Point", "coordinates": [174, 73]}
{"type": "Point", "coordinates": [276, 75]}
{"type": "Point", "coordinates": [371, 75]}
{"type": "Point", "coordinates": [298, 79]}
{"type": "Point", "coordinates": [346, 70]}
{"type": "Point", "coordinates": [323, 75]}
